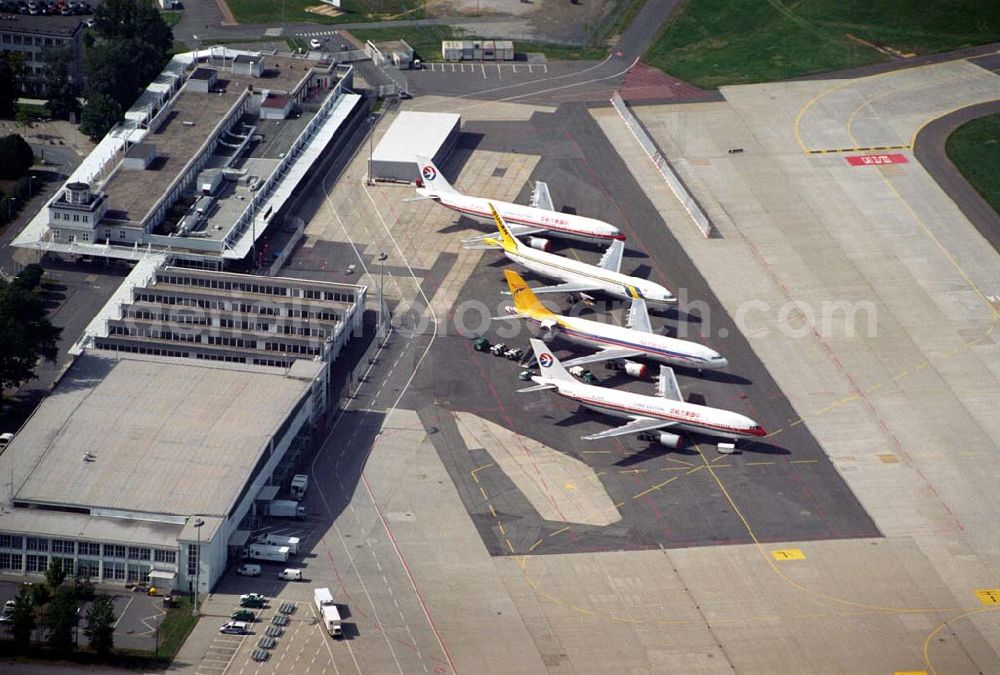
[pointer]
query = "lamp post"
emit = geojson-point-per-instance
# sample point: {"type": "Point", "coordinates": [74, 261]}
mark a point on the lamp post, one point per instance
{"type": "Point", "coordinates": [381, 301]}
{"type": "Point", "coordinates": [198, 522]}
{"type": "Point", "coordinates": [31, 181]}
{"type": "Point", "coordinates": [10, 208]}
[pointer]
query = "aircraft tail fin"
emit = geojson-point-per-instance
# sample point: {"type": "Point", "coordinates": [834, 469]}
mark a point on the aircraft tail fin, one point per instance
{"type": "Point", "coordinates": [507, 240]}
{"type": "Point", "coordinates": [550, 366]}
{"type": "Point", "coordinates": [524, 299]}
{"type": "Point", "coordinates": [432, 177]}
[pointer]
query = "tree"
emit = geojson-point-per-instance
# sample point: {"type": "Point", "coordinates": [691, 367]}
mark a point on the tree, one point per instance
{"type": "Point", "coordinates": [30, 277]}
{"type": "Point", "coordinates": [61, 619]}
{"type": "Point", "coordinates": [100, 627]}
{"type": "Point", "coordinates": [61, 90]}
{"type": "Point", "coordinates": [100, 114]}
{"type": "Point", "coordinates": [23, 619]}
{"type": "Point", "coordinates": [8, 92]}
{"type": "Point", "coordinates": [55, 575]}
{"type": "Point", "coordinates": [16, 157]}
{"type": "Point", "coordinates": [26, 335]}
{"type": "Point", "coordinates": [140, 20]}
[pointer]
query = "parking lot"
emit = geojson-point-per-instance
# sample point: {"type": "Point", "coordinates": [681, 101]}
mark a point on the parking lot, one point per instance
{"type": "Point", "coordinates": [138, 616]}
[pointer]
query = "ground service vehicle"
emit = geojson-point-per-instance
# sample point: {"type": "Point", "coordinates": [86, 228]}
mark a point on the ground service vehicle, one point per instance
{"type": "Point", "coordinates": [290, 575]}
{"type": "Point", "coordinates": [248, 570]}
{"type": "Point", "coordinates": [286, 508]}
{"type": "Point", "coordinates": [266, 552]}
{"type": "Point", "coordinates": [328, 611]}
{"type": "Point", "coordinates": [300, 483]}
{"type": "Point", "coordinates": [278, 540]}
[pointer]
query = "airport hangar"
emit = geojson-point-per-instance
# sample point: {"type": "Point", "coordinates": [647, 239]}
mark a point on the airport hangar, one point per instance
{"type": "Point", "coordinates": [192, 396]}
{"type": "Point", "coordinates": [412, 134]}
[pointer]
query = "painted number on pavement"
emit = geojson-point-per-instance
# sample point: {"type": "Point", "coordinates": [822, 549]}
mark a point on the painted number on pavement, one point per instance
{"type": "Point", "coordinates": [874, 160]}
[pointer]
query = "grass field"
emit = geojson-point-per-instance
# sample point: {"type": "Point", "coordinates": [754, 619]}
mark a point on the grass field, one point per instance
{"type": "Point", "coordinates": [975, 149]}
{"type": "Point", "coordinates": [294, 11]}
{"type": "Point", "coordinates": [711, 43]}
{"type": "Point", "coordinates": [171, 18]}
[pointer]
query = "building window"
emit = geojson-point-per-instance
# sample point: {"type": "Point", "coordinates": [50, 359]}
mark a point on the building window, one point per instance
{"type": "Point", "coordinates": [35, 544]}
{"type": "Point", "coordinates": [55, 234]}
{"type": "Point", "coordinates": [86, 218]}
{"type": "Point", "coordinates": [114, 571]}
{"type": "Point", "coordinates": [114, 551]}
{"type": "Point", "coordinates": [138, 573]}
{"type": "Point", "coordinates": [85, 236]}
{"type": "Point", "coordinates": [11, 541]}
{"type": "Point", "coordinates": [136, 553]}
{"type": "Point", "coordinates": [121, 234]}
{"type": "Point", "coordinates": [65, 563]}
{"type": "Point", "coordinates": [63, 546]}
{"type": "Point", "coordinates": [37, 563]}
{"type": "Point", "coordinates": [162, 556]}
{"type": "Point", "coordinates": [90, 548]}
{"type": "Point", "coordinates": [56, 215]}
{"type": "Point", "coordinates": [88, 569]}
{"type": "Point", "coordinates": [192, 560]}
{"type": "Point", "coordinates": [10, 561]}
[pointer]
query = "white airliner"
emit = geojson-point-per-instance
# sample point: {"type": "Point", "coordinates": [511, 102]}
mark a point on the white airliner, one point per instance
{"type": "Point", "coordinates": [649, 415]}
{"type": "Point", "coordinates": [614, 342]}
{"type": "Point", "coordinates": [539, 218]}
{"type": "Point", "coordinates": [577, 276]}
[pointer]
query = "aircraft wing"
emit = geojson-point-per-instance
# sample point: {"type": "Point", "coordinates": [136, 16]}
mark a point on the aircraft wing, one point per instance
{"type": "Point", "coordinates": [572, 287]}
{"type": "Point", "coordinates": [603, 355]}
{"type": "Point", "coordinates": [516, 230]}
{"type": "Point", "coordinates": [612, 258]}
{"type": "Point", "coordinates": [638, 424]}
{"type": "Point", "coordinates": [638, 316]}
{"type": "Point", "coordinates": [667, 386]}
{"type": "Point", "coordinates": [540, 197]}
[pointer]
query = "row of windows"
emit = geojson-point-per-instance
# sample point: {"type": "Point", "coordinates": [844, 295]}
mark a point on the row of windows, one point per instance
{"type": "Point", "coordinates": [134, 349]}
{"type": "Point", "coordinates": [244, 308]}
{"type": "Point", "coordinates": [85, 548]}
{"type": "Point", "coordinates": [271, 362]}
{"type": "Point", "coordinates": [250, 287]}
{"type": "Point", "coordinates": [8, 38]}
{"type": "Point", "coordinates": [218, 340]}
{"type": "Point", "coordinates": [220, 357]}
{"type": "Point", "coordinates": [57, 215]}
{"type": "Point", "coordinates": [82, 236]}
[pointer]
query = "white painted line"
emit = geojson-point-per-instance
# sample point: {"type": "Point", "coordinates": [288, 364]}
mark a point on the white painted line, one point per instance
{"type": "Point", "coordinates": [499, 72]}
{"type": "Point", "coordinates": [122, 615]}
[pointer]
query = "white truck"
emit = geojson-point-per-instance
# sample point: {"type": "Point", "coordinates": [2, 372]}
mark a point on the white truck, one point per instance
{"type": "Point", "coordinates": [286, 508]}
{"type": "Point", "coordinates": [328, 611]}
{"type": "Point", "coordinates": [278, 540]}
{"type": "Point", "coordinates": [300, 483]}
{"type": "Point", "coordinates": [266, 552]}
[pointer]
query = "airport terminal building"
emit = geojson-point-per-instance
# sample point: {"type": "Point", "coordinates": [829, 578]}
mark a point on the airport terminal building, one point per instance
{"type": "Point", "coordinates": [204, 163]}
{"type": "Point", "coordinates": [193, 394]}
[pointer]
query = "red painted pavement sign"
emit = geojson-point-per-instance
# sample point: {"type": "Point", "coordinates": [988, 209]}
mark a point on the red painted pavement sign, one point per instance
{"type": "Point", "coordinates": [875, 160]}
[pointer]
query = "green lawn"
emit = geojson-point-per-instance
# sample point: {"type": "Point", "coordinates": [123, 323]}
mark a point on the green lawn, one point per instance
{"type": "Point", "coordinates": [292, 11]}
{"type": "Point", "coordinates": [975, 149]}
{"type": "Point", "coordinates": [171, 18]}
{"type": "Point", "coordinates": [426, 42]}
{"type": "Point", "coordinates": [175, 627]}
{"type": "Point", "coordinates": [711, 43]}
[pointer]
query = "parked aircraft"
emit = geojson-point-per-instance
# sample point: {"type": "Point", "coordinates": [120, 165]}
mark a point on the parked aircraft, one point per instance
{"type": "Point", "coordinates": [648, 416]}
{"type": "Point", "coordinates": [525, 221]}
{"type": "Point", "coordinates": [578, 277]}
{"type": "Point", "coordinates": [614, 342]}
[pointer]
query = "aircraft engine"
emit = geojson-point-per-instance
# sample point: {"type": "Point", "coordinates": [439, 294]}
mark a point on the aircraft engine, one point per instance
{"type": "Point", "coordinates": [540, 243]}
{"type": "Point", "coordinates": [634, 369]}
{"type": "Point", "coordinates": [663, 438]}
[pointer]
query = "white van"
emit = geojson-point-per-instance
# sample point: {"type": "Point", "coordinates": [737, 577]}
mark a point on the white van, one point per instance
{"type": "Point", "coordinates": [290, 575]}
{"type": "Point", "coordinates": [5, 439]}
{"type": "Point", "coordinates": [248, 570]}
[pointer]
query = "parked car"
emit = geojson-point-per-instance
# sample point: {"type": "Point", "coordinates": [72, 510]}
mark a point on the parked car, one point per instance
{"type": "Point", "coordinates": [315, 44]}
{"type": "Point", "coordinates": [235, 628]}
{"type": "Point", "coordinates": [254, 600]}
{"type": "Point", "coordinates": [244, 615]}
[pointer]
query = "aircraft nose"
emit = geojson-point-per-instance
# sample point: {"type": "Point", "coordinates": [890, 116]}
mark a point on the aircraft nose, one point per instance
{"type": "Point", "coordinates": [720, 362]}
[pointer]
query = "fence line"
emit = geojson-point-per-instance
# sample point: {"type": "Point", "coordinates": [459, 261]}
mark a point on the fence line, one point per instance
{"type": "Point", "coordinates": [673, 181]}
